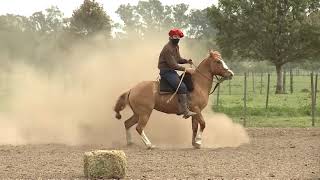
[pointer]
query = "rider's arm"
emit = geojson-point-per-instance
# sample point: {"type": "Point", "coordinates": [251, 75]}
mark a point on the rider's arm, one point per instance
{"type": "Point", "coordinates": [171, 62]}
{"type": "Point", "coordinates": [181, 60]}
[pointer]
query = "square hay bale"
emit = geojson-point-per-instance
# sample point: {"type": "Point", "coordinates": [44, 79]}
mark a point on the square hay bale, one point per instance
{"type": "Point", "coordinates": [105, 164]}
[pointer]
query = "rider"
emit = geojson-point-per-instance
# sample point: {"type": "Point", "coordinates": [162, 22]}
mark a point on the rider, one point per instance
{"type": "Point", "coordinates": [169, 61]}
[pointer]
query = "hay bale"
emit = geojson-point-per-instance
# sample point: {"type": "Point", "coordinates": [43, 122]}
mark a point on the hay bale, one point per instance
{"type": "Point", "coordinates": [105, 164]}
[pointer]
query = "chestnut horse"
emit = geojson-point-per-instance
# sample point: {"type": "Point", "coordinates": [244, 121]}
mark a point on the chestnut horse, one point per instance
{"type": "Point", "coordinates": [145, 97]}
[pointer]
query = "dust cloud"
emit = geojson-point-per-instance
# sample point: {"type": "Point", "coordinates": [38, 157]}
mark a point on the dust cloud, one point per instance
{"type": "Point", "coordinates": [74, 104]}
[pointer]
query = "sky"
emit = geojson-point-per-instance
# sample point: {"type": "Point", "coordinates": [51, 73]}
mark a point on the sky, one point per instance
{"type": "Point", "coordinates": [27, 7]}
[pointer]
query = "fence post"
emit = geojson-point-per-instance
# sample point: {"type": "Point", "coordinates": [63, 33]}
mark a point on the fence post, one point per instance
{"type": "Point", "coordinates": [253, 88]}
{"type": "Point", "coordinates": [268, 90]}
{"type": "Point", "coordinates": [261, 83]}
{"type": "Point", "coordinates": [315, 96]}
{"type": "Point", "coordinates": [245, 100]}
{"type": "Point", "coordinates": [218, 96]}
{"type": "Point", "coordinates": [312, 98]}
{"type": "Point", "coordinates": [229, 87]}
{"type": "Point", "coordinates": [316, 90]}
{"type": "Point", "coordinates": [284, 81]}
{"type": "Point", "coordinates": [291, 81]}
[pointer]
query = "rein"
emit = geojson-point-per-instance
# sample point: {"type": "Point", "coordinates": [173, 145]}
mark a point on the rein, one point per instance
{"type": "Point", "coordinates": [219, 80]}
{"type": "Point", "coordinates": [172, 96]}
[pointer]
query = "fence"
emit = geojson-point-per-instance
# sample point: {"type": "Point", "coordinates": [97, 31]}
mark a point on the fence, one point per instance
{"type": "Point", "coordinates": [251, 96]}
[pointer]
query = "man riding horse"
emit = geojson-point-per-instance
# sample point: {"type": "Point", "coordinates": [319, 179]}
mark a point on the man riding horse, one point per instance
{"type": "Point", "coordinates": [145, 96]}
{"type": "Point", "coordinates": [169, 61]}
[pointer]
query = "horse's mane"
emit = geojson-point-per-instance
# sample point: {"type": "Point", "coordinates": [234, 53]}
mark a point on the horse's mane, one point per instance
{"type": "Point", "coordinates": [205, 59]}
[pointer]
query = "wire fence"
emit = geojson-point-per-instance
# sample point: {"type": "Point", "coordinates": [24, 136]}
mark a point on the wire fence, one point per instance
{"type": "Point", "coordinates": [252, 94]}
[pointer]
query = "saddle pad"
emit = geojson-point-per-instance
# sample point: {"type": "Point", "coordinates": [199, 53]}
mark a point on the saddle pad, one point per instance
{"type": "Point", "coordinates": [165, 88]}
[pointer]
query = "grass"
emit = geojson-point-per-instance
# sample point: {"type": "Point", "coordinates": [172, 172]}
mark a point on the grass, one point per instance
{"type": "Point", "coordinates": [284, 110]}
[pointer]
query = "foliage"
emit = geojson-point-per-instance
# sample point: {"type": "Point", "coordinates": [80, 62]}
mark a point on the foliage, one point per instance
{"type": "Point", "coordinates": [149, 17]}
{"type": "Point", "coordinates": [279, 31]}
{"type": "Point", "coordinates": [49, 21]}
{"type": "Point", "coordinates": [90, 19]}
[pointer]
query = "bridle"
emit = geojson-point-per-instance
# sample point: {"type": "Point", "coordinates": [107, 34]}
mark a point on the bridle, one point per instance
{"type": "Point", "coordinates": [219, 80]}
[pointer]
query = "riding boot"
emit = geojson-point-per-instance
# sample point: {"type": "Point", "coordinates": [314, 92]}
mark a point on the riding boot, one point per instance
{"type": "Point", "coordinates": [183, 102]}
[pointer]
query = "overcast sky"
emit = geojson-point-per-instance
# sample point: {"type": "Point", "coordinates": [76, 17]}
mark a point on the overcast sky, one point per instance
{"type": "Point", "coordinates": [27, 7]}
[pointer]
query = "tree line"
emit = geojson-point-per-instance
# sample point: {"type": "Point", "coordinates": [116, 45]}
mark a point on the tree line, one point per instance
{"type": "Point", "coordinates": [275, 31]}
{"type": "Point", "coordinates": [38, 37]}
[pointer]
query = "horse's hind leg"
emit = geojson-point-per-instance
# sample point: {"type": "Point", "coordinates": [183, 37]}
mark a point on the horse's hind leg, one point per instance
{"type": "Point", "coordinates": [143, 120]}
{"type": "Point", "coordinates": [128, 124]}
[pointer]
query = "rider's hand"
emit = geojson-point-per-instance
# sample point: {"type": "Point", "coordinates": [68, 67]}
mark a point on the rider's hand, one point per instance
{"type": "Point", "coordinates": [190, 61]}
{"type": "Point", "coordinates": [190, 70]}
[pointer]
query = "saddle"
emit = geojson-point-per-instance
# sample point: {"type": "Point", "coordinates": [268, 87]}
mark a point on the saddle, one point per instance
{"type": "Point", "coordinates": [165, 88]}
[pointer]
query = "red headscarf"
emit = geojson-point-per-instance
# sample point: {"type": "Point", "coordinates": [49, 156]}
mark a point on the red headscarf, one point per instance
{"type": "Point", "coordinates": [176, 32]}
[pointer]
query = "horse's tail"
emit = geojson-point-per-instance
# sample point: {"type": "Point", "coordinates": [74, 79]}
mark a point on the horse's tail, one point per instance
{"type": "Point", "coordinates": [121, 104]}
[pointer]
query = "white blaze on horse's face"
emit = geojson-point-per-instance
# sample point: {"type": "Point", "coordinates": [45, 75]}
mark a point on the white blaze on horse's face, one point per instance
{"type": "Point", "coordinates": [224, 65]}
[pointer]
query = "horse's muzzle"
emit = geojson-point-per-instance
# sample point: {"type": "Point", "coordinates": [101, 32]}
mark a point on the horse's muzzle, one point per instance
{"type": "Point", "coordinates": [229, 75]}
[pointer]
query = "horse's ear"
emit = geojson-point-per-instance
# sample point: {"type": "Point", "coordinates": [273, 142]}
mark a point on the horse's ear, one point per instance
{"type": "Point", "coordinates": [214, 53]}
{"type": "Point", "coordinates": [210, 53]}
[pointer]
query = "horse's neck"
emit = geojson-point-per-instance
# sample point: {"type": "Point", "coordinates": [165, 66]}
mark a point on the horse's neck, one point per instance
{"type": "Point", "coordinates": [201, 77]}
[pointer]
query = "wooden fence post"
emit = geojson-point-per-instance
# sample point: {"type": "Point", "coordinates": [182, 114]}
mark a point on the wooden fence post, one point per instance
{"type": "Point", "coordinates": [312, 99]}
{"type": "Point", "coordinates": [229, 87]}
{"type": "Point", "coordinates": [291, 81]}
{"type": "Point", "coordinates": [245, 100]}
{"type": "Point", "coordinates": [261, 83]}
{"type": "Point", "coordinates": [316, 90]}
{"type": "Point", "coordinates": [218, 96]}
{"type": "Point", "coordinates": [268, 90]}
{"type": "Point", "coordinates": [253, 86]}
{"type": "Point", "coordinates": [284, 81]}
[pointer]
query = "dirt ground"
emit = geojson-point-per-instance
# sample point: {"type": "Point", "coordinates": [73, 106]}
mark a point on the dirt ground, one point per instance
{"type": "Point", "coordinates": [271, 153]}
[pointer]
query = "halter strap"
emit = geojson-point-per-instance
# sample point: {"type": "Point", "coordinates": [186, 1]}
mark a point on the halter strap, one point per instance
{"type": "Point", "coordinates": [220, 80]}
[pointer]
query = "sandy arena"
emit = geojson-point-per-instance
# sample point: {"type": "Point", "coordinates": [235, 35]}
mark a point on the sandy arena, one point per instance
{"type": "Point", "coordinates": [272, 153]}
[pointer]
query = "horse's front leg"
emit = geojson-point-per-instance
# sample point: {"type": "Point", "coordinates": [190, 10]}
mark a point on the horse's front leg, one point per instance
{"type": "Point", "coordinates": [195, 126]}
{"type": "Point", "coordinates": [197, 133]}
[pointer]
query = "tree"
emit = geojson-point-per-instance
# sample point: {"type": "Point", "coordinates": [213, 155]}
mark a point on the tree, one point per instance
{"type": "Point", "coordinates": [180, 17]}
{"type": "Point", "coordinates": [15, 32]}
{"type": "Point", "coordinates": [47, 22]}
{"type": "Point", "coordinates": [279, 31]}
{"type": "Point", "coordinates": [200, 26]}
{"type": "Point", "coordinates": [132, 25]}
{"type": "Point", "coordinates": [152, 16]}
{"type": "Point", "coordinates": [11, 22]}
{"type": "Point", "coordinates": [90, 19]}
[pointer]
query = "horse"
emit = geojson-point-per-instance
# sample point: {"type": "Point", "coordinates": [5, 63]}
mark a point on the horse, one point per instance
{"type": "Point", "coordinates": [144, 97]}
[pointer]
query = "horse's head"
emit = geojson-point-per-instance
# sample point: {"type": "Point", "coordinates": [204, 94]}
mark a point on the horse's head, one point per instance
{"type": "Point", "coordinates": [218, 66]}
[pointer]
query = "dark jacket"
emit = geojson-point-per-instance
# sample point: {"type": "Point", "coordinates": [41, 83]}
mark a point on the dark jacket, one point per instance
{"type": "Point", "coordinates": [170, 58]}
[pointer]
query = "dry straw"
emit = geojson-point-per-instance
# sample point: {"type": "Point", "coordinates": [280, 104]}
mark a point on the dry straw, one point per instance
{"type": "Point", "coordinates": [105, 164]}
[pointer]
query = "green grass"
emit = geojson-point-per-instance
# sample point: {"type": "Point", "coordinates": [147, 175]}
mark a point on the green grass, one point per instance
{"type": "Point", "coordinates": [284, 110]}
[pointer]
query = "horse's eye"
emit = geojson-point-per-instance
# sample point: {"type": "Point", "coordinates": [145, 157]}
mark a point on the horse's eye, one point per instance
{"type": "Point", "coordinates": [219, 62]}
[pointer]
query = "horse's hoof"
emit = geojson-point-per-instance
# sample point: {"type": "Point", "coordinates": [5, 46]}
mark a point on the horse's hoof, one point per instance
{"type": "Point", "coordinates": [196, 145]}
{"type": "Point", "coordinates": [151, 147]}
{"type": "Point", "coordinates": [130, 144]}
{"type": "Point", "coordinates": [118, 116]}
